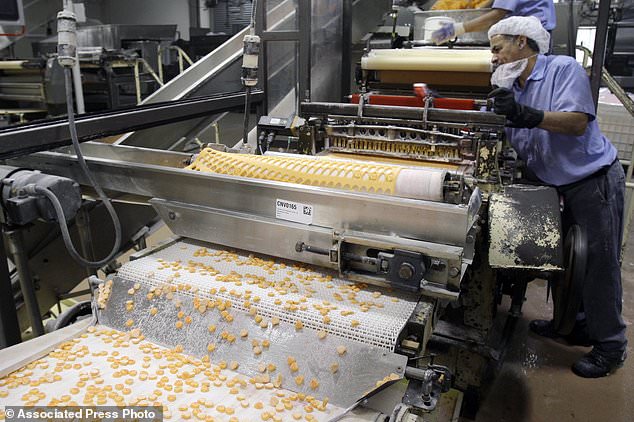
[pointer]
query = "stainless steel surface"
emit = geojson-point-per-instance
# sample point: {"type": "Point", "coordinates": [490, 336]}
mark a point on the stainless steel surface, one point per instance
{"type": "Point", "coordinates": [236, 230]}
{"type": "Point", "coordinates": [202, 70]}
{"type": "Point", "coordinates": [241, 213]}
{"type": "Point", "coordinates": [476, 38]}
{"type": "Point", "coordinates": [363, 399]}
{"type": "Point", "coordinates": [278, 238]}
{"type": "Point", "coordinates": [135, 171]}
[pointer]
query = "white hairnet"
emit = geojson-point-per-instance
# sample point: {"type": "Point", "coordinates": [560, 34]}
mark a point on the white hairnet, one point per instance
{"type": "Point", "coordinates": [529, 26]}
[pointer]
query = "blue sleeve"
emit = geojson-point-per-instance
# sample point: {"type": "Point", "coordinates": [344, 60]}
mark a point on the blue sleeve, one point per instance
{"type": "Point", "coordinates": [510, 5]}
{"type": "Point", "coordinates": [571, 90]}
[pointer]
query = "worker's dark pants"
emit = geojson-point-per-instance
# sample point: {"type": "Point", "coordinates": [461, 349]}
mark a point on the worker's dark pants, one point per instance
{"type": "Point", "coordinates": [596, 205]}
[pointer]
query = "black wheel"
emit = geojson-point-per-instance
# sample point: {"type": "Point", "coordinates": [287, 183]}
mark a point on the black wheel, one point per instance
{"type": "Point", "coordinates": [567, 288]}
{"type": "Point", "coordinates": [73, 314]}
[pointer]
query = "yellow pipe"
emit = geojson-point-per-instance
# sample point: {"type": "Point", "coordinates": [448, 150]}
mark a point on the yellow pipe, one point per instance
{"type": "Point", "coordinates": [12, 64]}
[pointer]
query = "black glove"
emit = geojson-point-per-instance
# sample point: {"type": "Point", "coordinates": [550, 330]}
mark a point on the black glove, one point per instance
{"type": "Point", "coordinates": [522, 116]}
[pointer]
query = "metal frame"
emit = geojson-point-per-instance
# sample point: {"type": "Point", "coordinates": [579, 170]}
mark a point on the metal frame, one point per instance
{"type": "Point", "coordinates": [15, 241]}
{"type": "Point", "coordinates": [600, 42]}
{"type": "Point", "coordinates": [20, 20]}
{"type": "Point", "coordinates": [159, 174]}
{"type": "Point", "coordinates": [9, 326]}
{"type": "Point", "coordinates": [346, 42]}
{"type": "Point", "coordinates": [213, 209]}
{"type": "Point", "coordinates": [26, 139]}
{"type": "Point", "coordinates": [409, 113]}
{"type": "Point", "coordinates": [253, 232]}
{"type": "Point", "coordinates": [181, 55]}
{"type": "Point", "coordinates": [302, 36]}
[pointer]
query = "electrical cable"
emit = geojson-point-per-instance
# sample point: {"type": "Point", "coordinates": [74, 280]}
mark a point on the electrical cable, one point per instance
{"type": "Point", "coordinates": [254, 6]}
{"type": "Point", "coordinates": [102, 196]}
{"type": "Point", "coordinates": [260, 141]}
{"type": "Point", "coordinates": [247, 112]}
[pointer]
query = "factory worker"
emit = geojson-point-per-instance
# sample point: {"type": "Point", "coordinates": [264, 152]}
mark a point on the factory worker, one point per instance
{"type": "Point", "coordinates": [552, 125]}
{"type": "Point", "coordinates": [544, 10]}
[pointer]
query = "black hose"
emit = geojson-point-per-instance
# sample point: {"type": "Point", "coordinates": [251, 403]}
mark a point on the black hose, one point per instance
{"type": "Point", "coordinates": [102, 196]}
{"type": "Point", "coordinates": [247, 111]}
{"type": "Point", "coordinates": [254, 6]}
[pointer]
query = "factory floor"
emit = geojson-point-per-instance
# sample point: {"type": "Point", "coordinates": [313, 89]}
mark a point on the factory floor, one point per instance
{"type": "Point", "coordinates": [536, 384]}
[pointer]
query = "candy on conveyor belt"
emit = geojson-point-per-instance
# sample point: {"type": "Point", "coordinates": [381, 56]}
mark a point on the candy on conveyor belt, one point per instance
{"type": "Point", "coordinates": [358, 176]}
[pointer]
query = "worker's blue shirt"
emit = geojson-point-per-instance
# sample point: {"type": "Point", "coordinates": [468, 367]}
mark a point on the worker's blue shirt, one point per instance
{"type": "Point", "coordinates": [559, 83]}
{"type": "Point", "coordinates": [544, 10]}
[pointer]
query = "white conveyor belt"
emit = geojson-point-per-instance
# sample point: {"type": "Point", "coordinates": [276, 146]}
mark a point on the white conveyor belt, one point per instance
{"type": "Point", "coordinates": [107, 367]}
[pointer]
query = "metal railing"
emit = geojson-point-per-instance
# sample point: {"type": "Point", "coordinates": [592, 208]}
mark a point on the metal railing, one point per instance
{"type": "Point", "coordinates": [182, 56]}
{"type": "Point", "coordinates": [137, 78]}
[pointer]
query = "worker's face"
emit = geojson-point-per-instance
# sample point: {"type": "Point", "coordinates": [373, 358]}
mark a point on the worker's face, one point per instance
{"type": "Point", "coordinates": [507, 49]}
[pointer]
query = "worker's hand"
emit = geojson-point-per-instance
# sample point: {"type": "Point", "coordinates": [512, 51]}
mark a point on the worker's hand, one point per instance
{"type": "Point", "coordinates": [521, 116]}
{"type": "Point", "coordinates": [504, 102]}
{"type": "Point", "coordinates": [447, 32]}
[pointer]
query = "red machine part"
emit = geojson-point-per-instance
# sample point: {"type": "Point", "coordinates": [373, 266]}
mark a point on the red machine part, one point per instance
{"type": "Point", "coordinates": [415, 101]}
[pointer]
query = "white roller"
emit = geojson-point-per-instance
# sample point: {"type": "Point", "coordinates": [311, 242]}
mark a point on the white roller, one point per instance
{"type": "Point", "coordinates": [428, 59]}
{"type": "Point", "coordinates": [421, 184]}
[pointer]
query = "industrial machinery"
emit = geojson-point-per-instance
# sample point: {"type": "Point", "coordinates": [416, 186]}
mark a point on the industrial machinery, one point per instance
{"type": "Point", "coordinates": [119, 66]}
{"type": "Point", "coordinates": [357, 279]}
{"type": "Point", "coordinates": [372, 277]}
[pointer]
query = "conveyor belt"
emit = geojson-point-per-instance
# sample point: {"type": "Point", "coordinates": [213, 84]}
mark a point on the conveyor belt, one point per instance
{"type": "Point", "coordinates": [224, 327]}
{"type": "Point", "coordinates": [256, 310]}
{"type": "Point", "coordinates": [320, 299]}
{"type": "Point", "coordinates": [110, 367]}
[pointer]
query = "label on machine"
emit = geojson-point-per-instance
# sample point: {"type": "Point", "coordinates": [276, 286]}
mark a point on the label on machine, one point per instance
{"type": "Point", "coordinates": [293, 211]}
